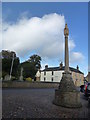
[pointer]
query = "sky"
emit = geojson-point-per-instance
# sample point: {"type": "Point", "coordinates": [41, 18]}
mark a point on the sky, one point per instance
{"type": "Point", "coordinates": [45, 0]}
{"type": "Point", "coordinates": [89, 37]}
{"type": "Point", "coordinates": [37, 28]}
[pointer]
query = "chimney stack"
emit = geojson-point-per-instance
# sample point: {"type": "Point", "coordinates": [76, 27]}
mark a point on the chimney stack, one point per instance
{"type": "Point", "coordinates": [61, 65]}
{"type": "Point", "coordinates": [77, 67]}
{"type": "Point", "coordinates": [46, 66]}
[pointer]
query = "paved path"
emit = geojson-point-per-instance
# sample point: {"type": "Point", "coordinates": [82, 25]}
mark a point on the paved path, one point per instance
{"type": "Point", "coordinates": [37, 103]}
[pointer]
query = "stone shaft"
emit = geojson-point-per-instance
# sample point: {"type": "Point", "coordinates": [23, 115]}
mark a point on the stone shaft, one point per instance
{"type": "Point", "coordinates": [66, 33]}
{"type": "Point", "coordinates": [66, 55]}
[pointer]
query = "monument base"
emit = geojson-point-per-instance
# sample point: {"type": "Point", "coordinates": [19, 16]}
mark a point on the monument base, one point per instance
{"type": "Point", "coordinates": [67, 95]}
{"type": "Point", "coordinates": [67, 99]}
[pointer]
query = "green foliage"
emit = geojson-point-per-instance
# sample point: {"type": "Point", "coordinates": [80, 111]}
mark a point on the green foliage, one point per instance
{"type": "Point", "coordinates": [13, 78]}
{"type": "Point", "coordinates": [31, 66]}
{"type": "Point", "coordinates": [6, 63]}
{"type": "Point", "coordinates": [6, 66]}
{"type": "Point", "coordinates": [4, 74]}
{"type": "Point", "coordinates": [29, 70]}
{"type": "Point", "coordinates": [29, 79]}
{"type": "Point", "coordinates": [36, 61]}
{"type": "Point", "coordinates": [8, 54]}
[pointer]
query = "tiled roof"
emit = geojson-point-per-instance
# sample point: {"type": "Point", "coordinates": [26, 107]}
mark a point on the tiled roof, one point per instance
{"type": "Point", "coordinates": [62, 69]}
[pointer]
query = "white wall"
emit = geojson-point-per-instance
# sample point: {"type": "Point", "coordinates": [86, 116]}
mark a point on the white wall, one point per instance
{"type": "Point", "coordinates": [57, 75]}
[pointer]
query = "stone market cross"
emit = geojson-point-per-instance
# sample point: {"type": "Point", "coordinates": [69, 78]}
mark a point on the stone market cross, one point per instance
{"type": "Point", "coordinates": [66, 95]}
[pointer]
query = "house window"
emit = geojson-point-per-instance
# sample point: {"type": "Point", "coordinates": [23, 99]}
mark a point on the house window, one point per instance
{"type": "Point", "coordinates": [52, 72]}
{"type": "Point", "coordinates": [44, 72]}
{"type": "Point", "coordinates": [52, 79]}
{"type": "Point", "coordinates": [44, 78]}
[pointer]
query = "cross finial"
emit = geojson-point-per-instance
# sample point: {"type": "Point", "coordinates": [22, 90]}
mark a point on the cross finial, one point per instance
{"type": "Point", "coordinates": [66, 25]}
{"type": "Point", "coordinates": [66, 30]}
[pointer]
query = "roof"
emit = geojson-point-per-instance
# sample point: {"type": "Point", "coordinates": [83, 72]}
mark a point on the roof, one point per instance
{"type": "Point", "coordinates": [60, 69]}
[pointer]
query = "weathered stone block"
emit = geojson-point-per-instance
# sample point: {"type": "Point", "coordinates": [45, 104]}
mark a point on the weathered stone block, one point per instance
{"type": "Point", "coordinates": [67, 99]}
{"type": "Point", "coordinates": [67, 95]}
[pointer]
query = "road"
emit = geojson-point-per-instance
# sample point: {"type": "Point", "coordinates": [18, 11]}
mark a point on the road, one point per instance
{"type": "Point", "coordinates": [37, 103]}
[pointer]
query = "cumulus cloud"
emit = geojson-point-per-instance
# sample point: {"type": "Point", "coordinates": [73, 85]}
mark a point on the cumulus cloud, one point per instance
{"type": "Point", "coordinates": [42, 35]}
{"type": "Point", "coordinates": [76, 57]}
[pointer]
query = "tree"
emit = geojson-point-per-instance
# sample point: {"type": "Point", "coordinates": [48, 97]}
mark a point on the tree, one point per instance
{"type": "Point", "coordinates": [8, 54]}
{"type": "Point", "coordinates": [36, 61]}
{"type": "Point", "coordinates": [31, 66]}
{"type": "Point", "coordinates": [6, 62]}
{"type": "Point", "coordinates": [28, 70]}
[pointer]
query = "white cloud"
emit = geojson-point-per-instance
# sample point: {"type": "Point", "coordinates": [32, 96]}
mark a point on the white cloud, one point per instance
{"type": "Point", "coordinates": [76, 57]}
{"type": "Point", "coordinates": [41, 35]}
{"type": "Point", "coordinates": [71, 44]}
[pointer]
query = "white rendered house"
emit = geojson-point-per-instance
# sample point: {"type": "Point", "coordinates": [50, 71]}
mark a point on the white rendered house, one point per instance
{"type": "Point", "coordinates": [54, 74]}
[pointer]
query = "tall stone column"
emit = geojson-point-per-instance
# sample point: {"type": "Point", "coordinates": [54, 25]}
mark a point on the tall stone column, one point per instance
{"type": "Point", "coordinates": [66, 33]}
{"type": "Point", "coordinates": [66, 95]}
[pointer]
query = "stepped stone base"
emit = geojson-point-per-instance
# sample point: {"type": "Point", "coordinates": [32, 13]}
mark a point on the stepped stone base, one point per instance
{"type": "Point", "coordinates": [67, 99]}
{"type": "Point", "coordinates": [67, 95]}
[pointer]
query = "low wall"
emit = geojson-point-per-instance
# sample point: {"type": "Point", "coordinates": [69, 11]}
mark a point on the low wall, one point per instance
{"type": "Point", "coordinates": [10, 84]}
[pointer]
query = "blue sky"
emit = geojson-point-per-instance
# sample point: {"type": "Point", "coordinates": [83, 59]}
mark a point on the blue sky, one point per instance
{"type": "Point", "coordinates": [89, 36]}
{"type": "Point", "coordinates": [76, 16]}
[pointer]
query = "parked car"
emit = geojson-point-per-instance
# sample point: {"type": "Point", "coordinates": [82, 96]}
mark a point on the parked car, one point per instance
{"type": "Point", "coordinates": [87, 90]}
{"type": "Point", "coordinates": [82, 88]}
